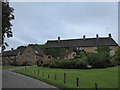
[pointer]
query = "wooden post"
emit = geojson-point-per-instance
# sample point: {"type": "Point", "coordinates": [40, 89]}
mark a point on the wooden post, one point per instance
{"type": "Point", "coordinates": [34, 71]}
{"type": "Point", "coordinates": [43, 74]}
{"type": "Point", "coordinates": [55, 76]}
{"type": "Point", "coordinates": [96, 88]}
{"type": "Point", "coordinates": [64, 77]}
{"type": "Point", "coordinates": [38, 71]}
{"type": "Point", "coordinates": [48, 76]}
{"type": "Point", "coordinates": [77, 81]}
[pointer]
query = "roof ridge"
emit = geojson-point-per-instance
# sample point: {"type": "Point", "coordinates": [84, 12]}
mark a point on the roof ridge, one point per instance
{"type": "Point", "coordinates": [80, 39]}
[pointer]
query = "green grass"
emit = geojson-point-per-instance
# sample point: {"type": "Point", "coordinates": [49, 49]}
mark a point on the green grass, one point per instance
{"type": "Point", "coordinates": [8, 67]}
{"type": "Point", "coordinates": [105, 78]}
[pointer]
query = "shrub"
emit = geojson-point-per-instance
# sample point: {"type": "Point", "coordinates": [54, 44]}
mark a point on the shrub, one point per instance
{"type": "Point", "coordinates": [82, 63]}
{"type": "Point", "coordinates": [116, 58]}
{"type": "Point", "coordinates": [52, 65]}
{"type": "Point", "coordinates": [98, 60]}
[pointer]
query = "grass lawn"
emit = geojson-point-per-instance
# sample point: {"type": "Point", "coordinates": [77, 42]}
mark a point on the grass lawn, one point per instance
{"type": "Point", "coordinates": [7, 67]}
{"type": "Point", "coordinates": [105, 78]}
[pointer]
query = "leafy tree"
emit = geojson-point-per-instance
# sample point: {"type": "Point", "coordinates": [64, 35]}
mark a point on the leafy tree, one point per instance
{"type": "Point", "coordinates": [104, 50]}
{"type": "Point", "coordinates": [21, 47]}
{"type": "Point", "coordinates": [55, 52]}
{"type": "Point", "coordinates": [7, 16]}
{"type": "Point", "coordinates": [116, 57]}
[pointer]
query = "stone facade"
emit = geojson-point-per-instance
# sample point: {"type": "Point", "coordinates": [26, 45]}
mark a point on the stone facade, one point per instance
{"type": "Point", "coordinates": [31, 56]}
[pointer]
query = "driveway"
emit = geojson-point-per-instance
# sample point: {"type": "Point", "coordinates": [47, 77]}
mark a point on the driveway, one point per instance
{"type": "Point", "coordinates": [15, 80]}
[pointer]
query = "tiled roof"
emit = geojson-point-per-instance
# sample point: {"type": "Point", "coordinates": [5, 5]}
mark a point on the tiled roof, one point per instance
{"type": "Point", "coordinates": [37, 50]}
{"type": "Point", "coordinates": [87, 42]}
{"type": "Point", "coordinates": [13, 52]}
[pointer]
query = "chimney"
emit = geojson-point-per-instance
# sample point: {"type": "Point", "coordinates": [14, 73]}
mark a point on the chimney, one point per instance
{"type": "Point", "coordinates": [97, 36]}
{"type": "Point", "coordinates": [84, 37]}
{"type": "Point", "coordinates": [109, 35]}
{"type": "Point", "coordinates": [58, 39]}
{"type": "Point", "coordinates": [11, 49]}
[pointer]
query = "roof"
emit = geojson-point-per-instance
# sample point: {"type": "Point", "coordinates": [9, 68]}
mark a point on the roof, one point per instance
{"type": "Point", "coordinates": [13, 52]}
{"type": "Point", "coordinates": [87, 42]}
{"type": "Point", "coordinates": [37, 50]}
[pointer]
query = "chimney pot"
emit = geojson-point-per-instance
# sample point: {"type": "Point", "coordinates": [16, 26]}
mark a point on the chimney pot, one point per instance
{"type": "Point", "coordinates": [83, 36]}
{"type": "Point", "coordinates": [58, 39]}
{"type": "Point", "coordinates": [97, 36]}
{"type": "Point", "coordinates": [110, 35]}
{"type": "Point", "coordinates": [11, 48]}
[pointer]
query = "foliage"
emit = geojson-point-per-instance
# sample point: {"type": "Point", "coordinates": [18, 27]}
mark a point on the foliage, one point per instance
{"type": "Point", "coordinates": [103, 49]}
{"type": "Point", "coordinates": [54, 64]}
{"type": "Point", "coordinates": [116, 58]}
{"type": "Point", "coordinates": [98, 60]}
{"type": "Point", "coordinates": [21, 47]}
{"type": "Point", "coordinates": [7, 16]}
{"type": "Point", "coordinates": [42, 47]}
{"type": "Point", "coordinates": [55, 52]}
{"type": "Point", "coordinates": [82, 63]}
{"type": "Point", "coordinates": [70, 64]}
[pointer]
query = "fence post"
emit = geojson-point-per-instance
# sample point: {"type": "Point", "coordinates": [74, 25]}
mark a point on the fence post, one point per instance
{"type": "Point", "coordinates": [55, 76]}
{"type": "Point", "coordinates": [96, 86]}
{"type": "Point", "coordinates": [48, 76]}
{"type": "Point", "coordinates": [64, 77]}
{"type": "Point", "coordinates": [43, 74]}
{"type": "Point", "coordinates": [38, 72]}
{"type": "Point", "coordinates": [77, 81]}
{"type": "Point", "coordinates": [34, 71]}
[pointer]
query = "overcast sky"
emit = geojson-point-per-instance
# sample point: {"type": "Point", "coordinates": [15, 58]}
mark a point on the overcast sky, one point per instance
{"type": "Point", "coordinates": [38, 22]}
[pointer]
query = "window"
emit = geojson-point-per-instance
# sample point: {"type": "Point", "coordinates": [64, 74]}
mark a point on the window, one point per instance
{"type": "Point", "coordinates": [94, 48]}
{"type": "Point", "coordinates": [79, 48]}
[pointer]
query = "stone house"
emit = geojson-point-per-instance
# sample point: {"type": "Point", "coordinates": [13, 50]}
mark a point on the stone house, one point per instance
{"type": "Point", "coordinates": [12, 57]}
{"type": "Point", "coordinates": [31, 55]}
{"type": "Point", "coordinates": [83, 44]}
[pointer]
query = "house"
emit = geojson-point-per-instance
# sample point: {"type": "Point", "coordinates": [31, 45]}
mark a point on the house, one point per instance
{"type": "Point", "coordinates": [12, 57]}
{"type": "Point", "coordinates": [31, 55]}
{"type": "Point", "coordinates": [84, 44]}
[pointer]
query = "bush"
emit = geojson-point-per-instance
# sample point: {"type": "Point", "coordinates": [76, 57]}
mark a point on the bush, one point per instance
{"type": "Point", "coordinates": [116, 58]}
{"type": "Point", "coordinates": [54, 64]}
{"type": "Point", "coordinates": [82, 63]}
{"type": "Point", "coordinates": [98, 60]}
{"type": "Point", "coordinates": [92, 60]}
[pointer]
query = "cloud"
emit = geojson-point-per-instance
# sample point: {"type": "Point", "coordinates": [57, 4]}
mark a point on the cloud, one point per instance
{"type": "Point", "coordinates": [38, 22]}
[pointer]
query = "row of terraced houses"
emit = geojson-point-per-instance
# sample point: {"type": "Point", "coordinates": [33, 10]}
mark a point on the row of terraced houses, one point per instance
{"type": "Point", "coordinates": [33, 54]}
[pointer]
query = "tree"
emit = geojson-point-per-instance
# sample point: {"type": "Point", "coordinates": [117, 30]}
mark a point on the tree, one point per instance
{"type": "Point", "coordinates": [7, 16]}
{"type": "Point", "coordinates": [104, 50]}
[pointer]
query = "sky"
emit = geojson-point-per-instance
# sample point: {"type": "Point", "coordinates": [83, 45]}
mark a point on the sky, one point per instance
{"type": "Point", "coordinates": [37, 22]}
